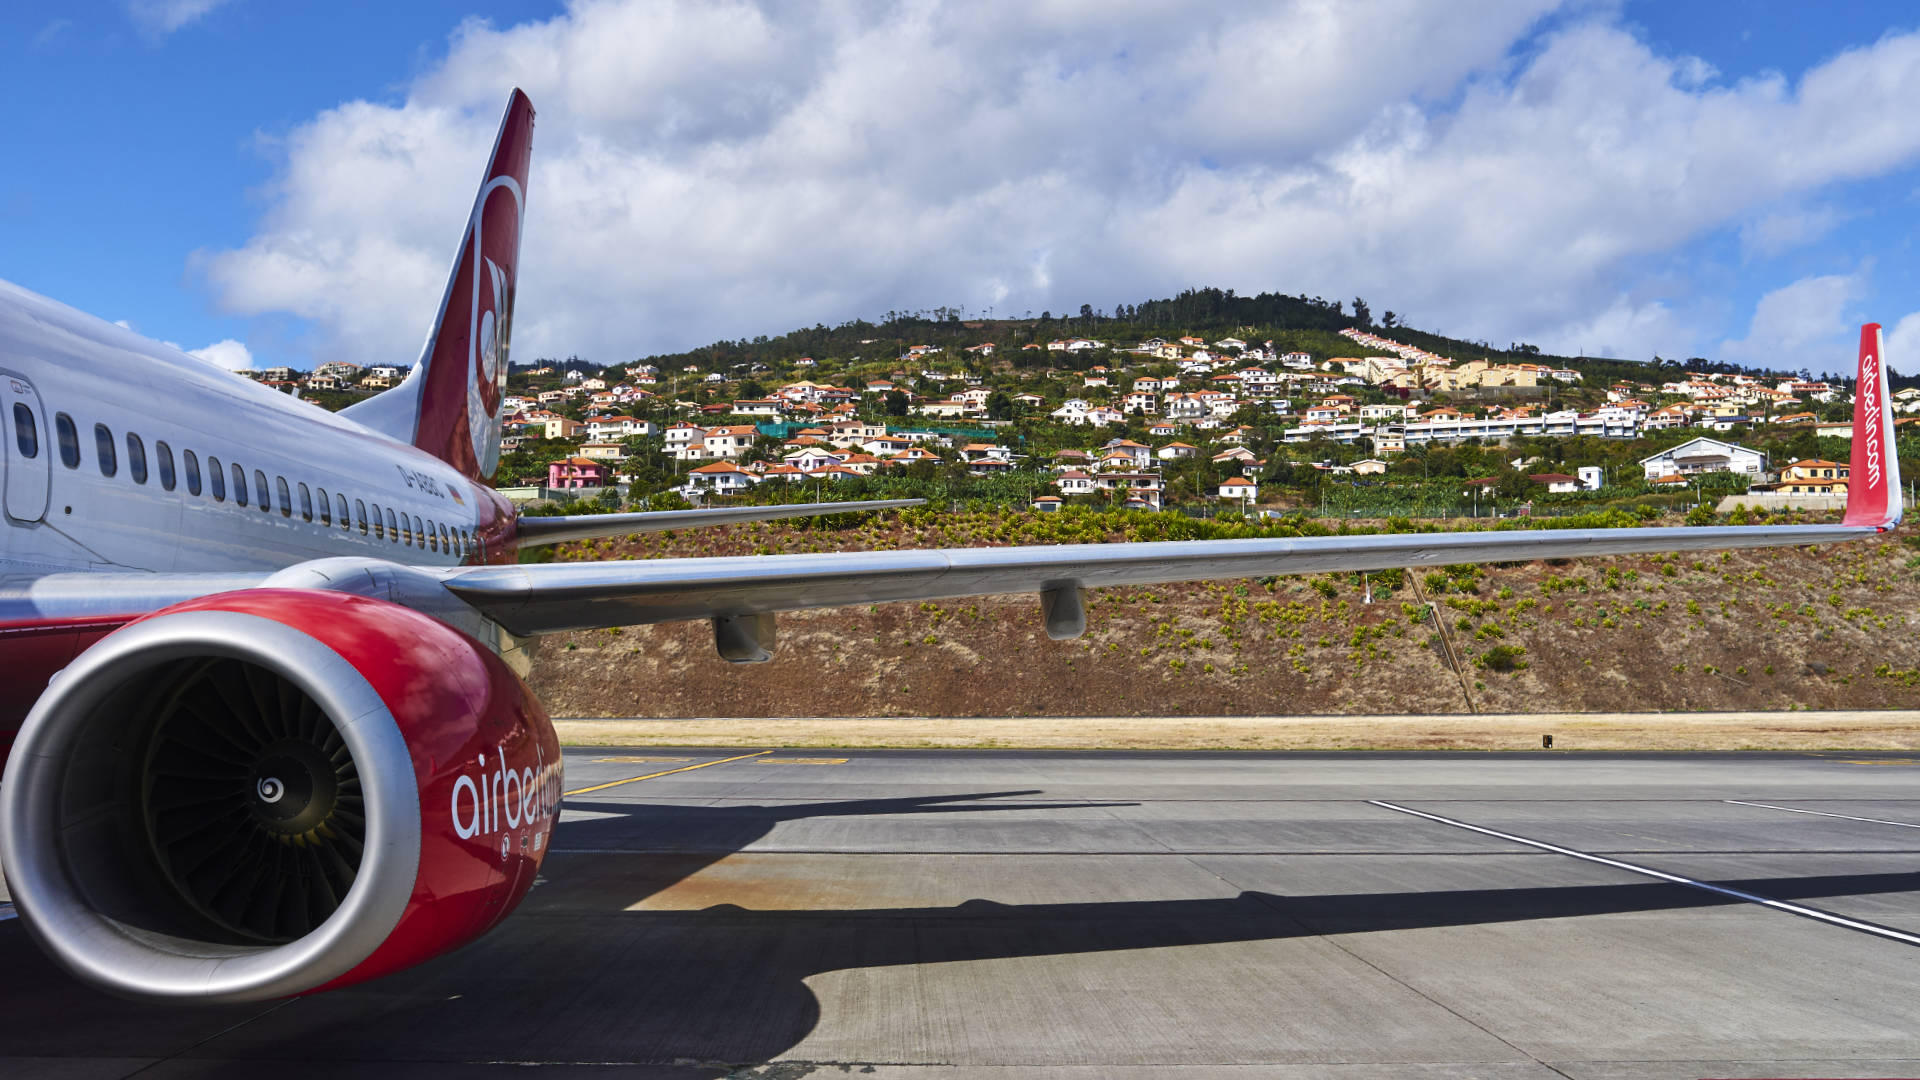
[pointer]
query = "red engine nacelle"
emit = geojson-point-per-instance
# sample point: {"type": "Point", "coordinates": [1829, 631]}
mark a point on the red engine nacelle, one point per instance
{"type": "Point", "coordinates": [273, 791]}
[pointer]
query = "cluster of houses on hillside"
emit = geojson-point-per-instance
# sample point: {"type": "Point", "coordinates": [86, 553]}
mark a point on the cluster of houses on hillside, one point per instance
{"type": "Point", "coordinates": [1126, 472]}
{"type": "Point", "coordinates": [333, 375]}
{"type": "Point", "coordinates": [1189, 395]}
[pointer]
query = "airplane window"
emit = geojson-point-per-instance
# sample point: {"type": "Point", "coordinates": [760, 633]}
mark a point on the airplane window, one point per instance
{"type": "Point", "coordinates": [260, 491]}
{"type": "Point", "coordinates": [217, 480]}
{"type": "Point", "coordinates": [445, 545]}
{"type": "Point", "coordinates": [103, 445]}
{"type": "Point", "coordinates": [379, 524]}
{"type": "Point", "coordinates": [360, 511]}
{"type": "Point", "coordinates": [286, 500]}
{"type": "Point", "coordinates": [239, 485]}
{"type": "Point", "coordinates": [326, 508]}
{"type": "Point", "coordinates": [163, 457]}
{"type": "Point", "coordinates": [192, 461]}
{"type": "Point", "coordinates": [433, 538]}
{"type": "Point", "coordinates": [393, 533]}
{"type": "Point", "coordinates": [344, 523]}
{"type": "Point", "coordinates": [26, 434]}
{"type": "Point", "coordinates": [69, 440]}
{"type": "Point", "coordinates": [136, 458]}
{"type": "Point", "coordinates": [419, 537]}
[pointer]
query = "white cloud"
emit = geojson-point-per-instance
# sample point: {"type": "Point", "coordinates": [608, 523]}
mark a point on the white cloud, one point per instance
{"type": "Point", "coordinates": [226, 353]}
{"type": "Point", "coordinates": [49, 32]}
{"type": "Point", "coordinates": [1802, 325]}
{"type": "Point", "coordinates": [716, 170]}
{"type": "Point", "coordinates": [1901, 343]}
{"type": "Point", "coordinates": [158, 18]}
{"type": "Point", "coordinates": [1781, 230]}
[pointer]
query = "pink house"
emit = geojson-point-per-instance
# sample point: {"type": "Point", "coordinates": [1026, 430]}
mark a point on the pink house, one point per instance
{"type": "Point", "coordinates": [577, 472]}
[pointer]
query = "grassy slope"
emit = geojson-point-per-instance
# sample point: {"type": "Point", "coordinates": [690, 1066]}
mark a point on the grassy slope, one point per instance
{"type": "Point", "coordinates": [1828, 628]}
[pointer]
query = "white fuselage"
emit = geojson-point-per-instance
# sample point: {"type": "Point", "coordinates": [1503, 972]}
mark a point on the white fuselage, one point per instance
{"type": "Point", "coordinates": [108, 451]}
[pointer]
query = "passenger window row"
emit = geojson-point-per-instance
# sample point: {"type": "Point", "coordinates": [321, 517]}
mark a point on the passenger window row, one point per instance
{"type": "Point", "coordinates": [369, 519]}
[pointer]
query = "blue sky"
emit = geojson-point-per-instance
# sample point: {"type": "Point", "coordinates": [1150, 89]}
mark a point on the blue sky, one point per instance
{"type": "Point", "coordinates": [144, 146]}
{"type": "Point", "coordinates": [1620, 178]}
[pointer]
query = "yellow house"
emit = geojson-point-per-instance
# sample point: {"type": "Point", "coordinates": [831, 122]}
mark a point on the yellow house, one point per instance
{"type": "Point", "coordinates": [1813, 477]}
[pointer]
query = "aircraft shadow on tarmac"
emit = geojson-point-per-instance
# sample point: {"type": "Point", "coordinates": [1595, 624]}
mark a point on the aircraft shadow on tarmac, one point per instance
{"type": "Point", "coordinates": [701, 992]}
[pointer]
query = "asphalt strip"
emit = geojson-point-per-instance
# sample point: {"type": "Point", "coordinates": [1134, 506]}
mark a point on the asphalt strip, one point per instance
{"type": "Point", "coordinates": [1647, 871]}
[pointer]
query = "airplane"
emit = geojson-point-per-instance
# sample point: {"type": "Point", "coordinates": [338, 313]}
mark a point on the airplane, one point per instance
{"type": "Point", "coordinates": [265, 723]}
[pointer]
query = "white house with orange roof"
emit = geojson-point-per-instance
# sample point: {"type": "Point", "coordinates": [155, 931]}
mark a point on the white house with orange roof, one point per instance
{"type": "Point", "coordinates": [728, 441]}
{"type": "Point", "coordinates": [811, 459]}
{"type": "Point", "coordinates": [721, 477]}
{"type": "Point", "coordinates": [1074, 482]}
{"type": "Point", "coordinates": [911, 456]}
{"type": "Point", "coordinates": [1239, 489]}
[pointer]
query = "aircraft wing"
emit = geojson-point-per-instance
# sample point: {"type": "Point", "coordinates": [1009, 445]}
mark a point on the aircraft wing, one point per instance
{"type": "Point", "coordinates": [541, 599]}
{"type": "Point", "coordinates": [741, 595]}
{"type": "Point", "coordinates": [559, 530]}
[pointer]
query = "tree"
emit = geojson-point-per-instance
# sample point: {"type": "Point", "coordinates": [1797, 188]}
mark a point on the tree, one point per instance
{"type": "Point", "coordinates": [1515, 485]}
{"type": "Point", "coordinates": [896, 403]}
{"type": "Point", "coordinates": [1389, 320]}
{"type": "Point", "coordinates": [1086, 311]}
{"type": "Point", "coordinates": [1362, 314]}
{"type": "Point", "coordinates": [999, 405]}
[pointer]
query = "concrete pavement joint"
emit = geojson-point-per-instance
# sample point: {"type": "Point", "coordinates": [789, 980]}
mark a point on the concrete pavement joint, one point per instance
{"type": "Point", "coordinates": [1337, 943]}
{"type": "Point", "coordinates": [1647, 871]}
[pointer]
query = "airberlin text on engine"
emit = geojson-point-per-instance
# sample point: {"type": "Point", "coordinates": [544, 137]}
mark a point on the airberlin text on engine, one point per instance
{"type": "Point", "coordinates": [497, 798]}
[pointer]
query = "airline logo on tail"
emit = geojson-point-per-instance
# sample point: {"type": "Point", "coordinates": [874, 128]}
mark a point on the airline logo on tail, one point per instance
{"type": "Point", "coordinates": [1873, 488]}
{"type": "Point", "coordinates": [466, 356]}
{"type": "Point", "coordinates": [487, 353]}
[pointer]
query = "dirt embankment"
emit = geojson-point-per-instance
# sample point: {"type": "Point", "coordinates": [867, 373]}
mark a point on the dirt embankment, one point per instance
{"type": "Point", "coordinates": [1783, 629]}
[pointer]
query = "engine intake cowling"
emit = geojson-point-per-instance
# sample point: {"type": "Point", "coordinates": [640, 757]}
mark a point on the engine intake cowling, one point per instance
{"type": "Point", "coordinates": [273, 791]}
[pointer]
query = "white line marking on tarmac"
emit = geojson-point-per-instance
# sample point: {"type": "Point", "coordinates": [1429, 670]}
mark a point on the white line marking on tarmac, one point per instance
{"type": "Point", "coordinates": [1823, 813]}
{"type": "Point", "coordinates": [1647, 871]}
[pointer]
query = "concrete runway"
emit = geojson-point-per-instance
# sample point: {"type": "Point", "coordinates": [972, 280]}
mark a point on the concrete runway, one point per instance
{"type": "Point", "coordinates": [963, 915]}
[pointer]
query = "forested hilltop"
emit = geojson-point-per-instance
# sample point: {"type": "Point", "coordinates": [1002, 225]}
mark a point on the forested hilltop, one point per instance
{"type": "Point", "coordinates": [1291, 322]}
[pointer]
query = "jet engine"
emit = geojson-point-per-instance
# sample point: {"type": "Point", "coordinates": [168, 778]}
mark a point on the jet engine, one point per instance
{"type": "Point", "coordinates": [273, 791]}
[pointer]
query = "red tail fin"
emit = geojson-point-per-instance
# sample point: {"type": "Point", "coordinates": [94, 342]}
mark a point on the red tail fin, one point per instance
{"type": "Point", "coordinates": [1873, 482]}
{"type": "Point", "coordinates": [449, 405]}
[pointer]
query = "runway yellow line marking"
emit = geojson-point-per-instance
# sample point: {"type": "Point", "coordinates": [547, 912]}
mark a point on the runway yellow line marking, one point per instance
{"type": "Point", "coordinates": [802, 761]}
{"type": "Point", "coordinates": [638, 760]}
{"type": "Point", "coordinates": [668, 772]}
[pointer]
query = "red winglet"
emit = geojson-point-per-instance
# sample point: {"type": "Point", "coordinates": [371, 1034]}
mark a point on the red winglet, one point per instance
{"type": "Point", "coordinates": [1873, 482]}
